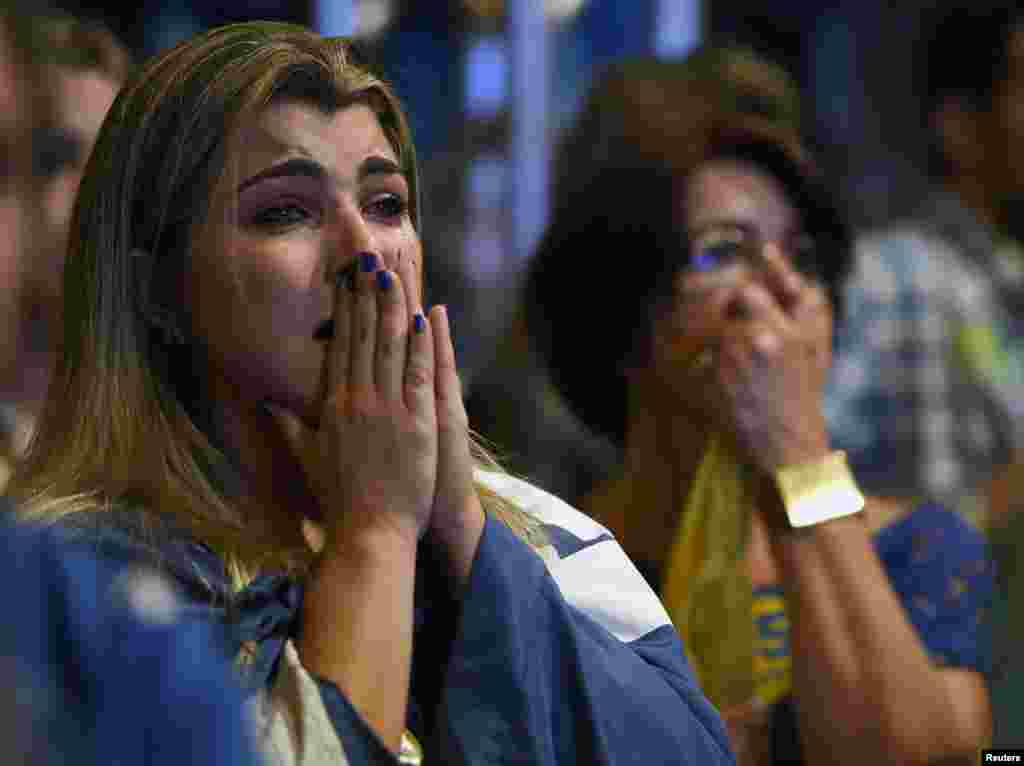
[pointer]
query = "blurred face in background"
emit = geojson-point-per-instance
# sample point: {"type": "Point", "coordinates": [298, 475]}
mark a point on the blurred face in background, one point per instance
{"type": "Point", "coordinates": [741, 229]}
{"type": "Point", "coordinates": [14, 151]}
{"type": "Point", "coordinates": [83, 99]}
{"type": "Point", "coordinates": [739, 220]}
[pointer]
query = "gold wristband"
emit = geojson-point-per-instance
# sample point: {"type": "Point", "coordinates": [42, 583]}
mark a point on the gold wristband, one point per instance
{"type": "Point", "coordinates": [819, 491]}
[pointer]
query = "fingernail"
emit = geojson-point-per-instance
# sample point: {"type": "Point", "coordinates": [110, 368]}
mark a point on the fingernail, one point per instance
{"type": "Point", "coordinates": [418, 322]}
{"type": "Point", "coordinates": [383, 279]}
{"type": "Point", "coordinates": [367, 262]}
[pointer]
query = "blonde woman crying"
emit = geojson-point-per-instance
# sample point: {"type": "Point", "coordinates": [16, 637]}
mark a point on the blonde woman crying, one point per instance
{"type": "Point", "coordinates": [247, 354]}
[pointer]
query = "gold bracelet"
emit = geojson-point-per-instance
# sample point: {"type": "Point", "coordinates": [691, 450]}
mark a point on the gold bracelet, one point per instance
{"type": "Point", "coordinates": [819, 491]}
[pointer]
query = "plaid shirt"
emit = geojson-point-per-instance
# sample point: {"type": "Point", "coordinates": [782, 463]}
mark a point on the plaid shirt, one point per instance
{"type": "Point", "coordinates": [927, 387]}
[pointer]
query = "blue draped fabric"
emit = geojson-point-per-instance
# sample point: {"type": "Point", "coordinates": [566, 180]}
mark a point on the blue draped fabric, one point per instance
{"type": "Point", "coordinates": [103, 668]}
{"type": "Point", "coordinates": [538, 663]}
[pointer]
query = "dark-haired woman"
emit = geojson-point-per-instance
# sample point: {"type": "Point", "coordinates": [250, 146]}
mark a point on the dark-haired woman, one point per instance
{"type": "Point", "coordinates": [829, 628]}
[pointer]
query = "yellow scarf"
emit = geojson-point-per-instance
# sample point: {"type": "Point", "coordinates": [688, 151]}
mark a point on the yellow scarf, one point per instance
{"type": "Point", "coordinates": [706, 588]}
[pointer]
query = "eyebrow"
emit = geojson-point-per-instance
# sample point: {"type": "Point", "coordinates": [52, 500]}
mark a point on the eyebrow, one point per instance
{"type": "Point", "coordinates": [299, 166]}
{"type": "Point", "coordinates": [304, 166]}
{"type": "Point", "coordinates": [747, 227]}
{"type": "Point", "coordinates": [376, 165]}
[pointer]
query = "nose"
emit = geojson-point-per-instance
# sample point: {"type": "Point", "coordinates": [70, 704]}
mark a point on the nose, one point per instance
{"type": "Point", "coordinates": [348, 234]}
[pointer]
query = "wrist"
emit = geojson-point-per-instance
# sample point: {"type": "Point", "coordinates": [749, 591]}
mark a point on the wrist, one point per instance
{"type": "Point", "coordinates": [458, 535]}
{"type": "Point", "coordinates": [368, 541]}
{"type": "Point", "coordinates": [800, 448]}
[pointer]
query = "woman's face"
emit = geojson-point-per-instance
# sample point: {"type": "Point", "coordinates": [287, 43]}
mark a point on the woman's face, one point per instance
{"type": "Point", "coordinates": [739, 218]}
{"type": "Point", "coordinates": [742, 228]}
{"type": "Point", "coordinates": [304, 194]}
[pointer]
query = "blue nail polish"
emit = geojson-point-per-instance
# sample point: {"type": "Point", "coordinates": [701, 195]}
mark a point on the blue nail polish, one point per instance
{"type": "Point", "coordinates": [383, 279]}
{"type": "Point", "coordinates": [367, 262]}
{"type": "Point", "coordinates": [418, 322]}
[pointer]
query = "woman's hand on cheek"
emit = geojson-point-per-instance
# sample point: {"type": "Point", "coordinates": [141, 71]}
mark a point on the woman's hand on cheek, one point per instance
{"type": "Point", "coordinates": [812, 313]}
{"type": "Point", "coordinates": [373, 459]}
{"type": "Point", "coordinates": [807, 304]}
{"type": "Point", "coordinates": [770, 377]}
{"type": "Point", "coordinates": [694, 323]}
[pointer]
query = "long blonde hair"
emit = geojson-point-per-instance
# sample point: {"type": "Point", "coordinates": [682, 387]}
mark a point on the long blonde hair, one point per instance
{"type": "Point", "coordinates": [124, 426]}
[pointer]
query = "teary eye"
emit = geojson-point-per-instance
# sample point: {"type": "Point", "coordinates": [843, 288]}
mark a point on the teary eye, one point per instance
{"type": "Point", "coordinates": [716, 249]}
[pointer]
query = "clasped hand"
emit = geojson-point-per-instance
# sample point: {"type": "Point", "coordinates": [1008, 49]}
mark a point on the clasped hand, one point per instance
{"type": "Point", "coordinates": [770, 344]}
{"type": "Point", "coordinates": [391, 452]}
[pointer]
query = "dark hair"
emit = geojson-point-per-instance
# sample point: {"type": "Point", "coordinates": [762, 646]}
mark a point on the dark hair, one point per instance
{"type": "Point", "coordinates": [607, 260]}
{"type": "Point", "coordinates": [964, 55]}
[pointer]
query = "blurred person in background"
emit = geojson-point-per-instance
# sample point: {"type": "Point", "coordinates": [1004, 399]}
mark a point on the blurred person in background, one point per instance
{"type": "Point", "coordinates": [827, 628]}
{"type": "Point", "coordinates": [73, 691]}
{"type": "Point", "coordinates": [251, 396]}
{"type": "Point", "coordinates": [89, 66]}
{"type": "Point", "coordinates": [25, 105]}
{"type": "Point", "coordinates": [81, 65]}
{"type": "Point", "coordinates": [927, 392]}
